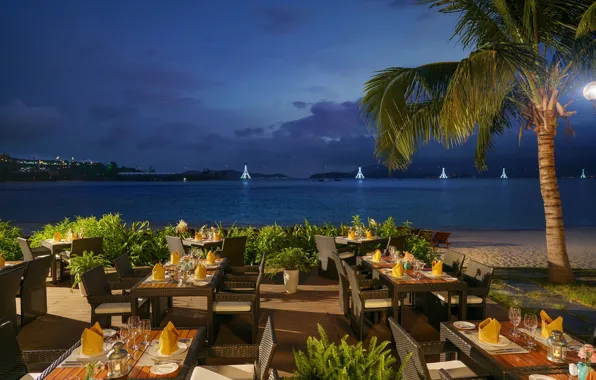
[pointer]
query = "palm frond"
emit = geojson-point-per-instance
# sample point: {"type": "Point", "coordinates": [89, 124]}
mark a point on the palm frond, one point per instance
{"type": "Point", "coordinates": [587, 22]}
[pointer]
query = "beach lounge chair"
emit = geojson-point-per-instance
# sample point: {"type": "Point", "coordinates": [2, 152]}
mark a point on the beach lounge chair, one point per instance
{"type": "Point", "coordinates": [441, 239]}
{"type": "Point", "coordinates": [417, 367]}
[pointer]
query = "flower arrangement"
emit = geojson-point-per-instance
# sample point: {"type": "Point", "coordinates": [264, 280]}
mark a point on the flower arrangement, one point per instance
{"type": "Point", "coordinates": [587, 353]}
{"type": "Point", "coordinates": [182, 227]}
{"type": "Point", "coordinates": [93, 369]}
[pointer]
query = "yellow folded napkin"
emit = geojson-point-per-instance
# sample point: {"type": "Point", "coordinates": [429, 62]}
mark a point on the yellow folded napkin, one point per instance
{"type": "Point", "coordinates": [549, 325]}
{"type": "Point", "coordinates": [437, 268]}
{"type": "Point", "coordinates": [377, 256]}
{"type": "Point", "coordinates": [175, 258]}
{"type": "Point", "coordinates": [488, 331]}
{"type": "Point", "coordinates": [57, 237]}
{"type": "Point", "coordinates": [398, 270]}
{"type": "Point", "coordinates": [92, 341]}
{"type": "Point", "coordinates": [2, 261]}
{"type": "Point", "coordinates": [217, 236]}
{"type": "Point", "coordinates": [198, 236]}
{"type": "Point", "coordinates": [200, 272]}
{"type": "Point", "coordinates": [210, 258]}
{"type": "Point", "coordinates": [369, 235]}
{"type": "Point", "coordinates": [159, 273]}
{"type": "Point", "coordinates": [408, 257]}
{"type": "Point", "coordinates": [351, 235]}
{"type": "Point", "coordinates": [168, 340]}
{"type": "Point", "coordinates": [591, 375]}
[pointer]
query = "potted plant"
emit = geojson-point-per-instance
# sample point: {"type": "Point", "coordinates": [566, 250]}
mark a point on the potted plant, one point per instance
{"type": "Point", "coordinates": [81, 264]}
{"type": "Point", "coordinates": [292, 261]}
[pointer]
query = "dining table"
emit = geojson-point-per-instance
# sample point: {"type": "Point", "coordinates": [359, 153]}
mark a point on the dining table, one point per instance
{"type": "Point", "coordinates": [557, 376]}
{"type": "Point", "coordinates": [161, 292]}
{"type": "Point", "coordinates": [513, 360]}
{"type": "Point", "coordinates": [362, 243]}
{"type": "Point", "coordinates": [414, 281]}
{"type": "Point", "coordinates": [141, 360]}
{"type": "Point", "coordinates": [203, 243]}
{"type": "Point", "coordinates": [55, 248]}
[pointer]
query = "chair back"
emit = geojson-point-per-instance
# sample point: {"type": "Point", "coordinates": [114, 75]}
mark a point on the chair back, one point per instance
{"type": "Point", "coordinates": [175, 244]}
{"type": "Point", "coordinates": [34, 299]}
{"type": "Point", "coordinates": [96, 282]}
{"type": "Point", "coordinates": [12, 365]}
{"type": "Point", "coordinates": [399, 242]}
{"type": "Point", "coordinates": [274, 375]}
{"type": "Point", "coordinates": [325, 246]}
{"type": "Point", "coordinates": [478, 275]}
{"type": "Point", "coordinates": [267, 349]}
{"type": "Point", "coordinates": [36, 273]}
{"type": "Point", "coordinates": [453, 262]}
{"type": "Point", "coordinates": [25, 248]}
{"type": "Point", "coordinates": [124, 266]}
{"type": "Point", "coordinates": [10, 283]}
{"type": "Point", "coordinates": [233, 250]}
{"type": "Point", "coordinates": [262, 264]}
{"type": "Point", "coordinates": [415, 367]}
{"type": "Point", "coordinates": [354, 288]}
{"type": "Point", "coordinates": [94, 245]}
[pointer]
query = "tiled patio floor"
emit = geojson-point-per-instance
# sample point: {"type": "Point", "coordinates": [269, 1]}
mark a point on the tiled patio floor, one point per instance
{"type": "Point", "coordinates": [295, 317]}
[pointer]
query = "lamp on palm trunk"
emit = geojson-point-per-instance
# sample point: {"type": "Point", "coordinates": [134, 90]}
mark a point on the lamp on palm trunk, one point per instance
{"type": "Point", "coordinates": [590, 93]}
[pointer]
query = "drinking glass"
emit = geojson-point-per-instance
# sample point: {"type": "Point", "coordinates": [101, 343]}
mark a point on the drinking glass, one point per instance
{"type": "Point", "coordinates": [125, 334]}
{"type": "Point", "coordinates": [146, 330]}
{"type": "Point", "coordinates": [134, 324]}
{"type": "Point", "coordinates": [515, 318]}
{"type": "Point", "coordinates": [531, 323]}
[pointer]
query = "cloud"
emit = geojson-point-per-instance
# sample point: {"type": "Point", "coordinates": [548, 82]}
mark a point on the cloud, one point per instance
{"type": "Point", "coordinates": [111, 113]}
{"type": "Point", "coordinates": [323, 91]}
{"type": "Point", "coordinates": [279, 20]}
{"type": "Point", "coordinates": [18, 120]}
{"type": "Point", "coordinates": [300, 104]}
{"type": "Point", "coordinates": [249, 132]}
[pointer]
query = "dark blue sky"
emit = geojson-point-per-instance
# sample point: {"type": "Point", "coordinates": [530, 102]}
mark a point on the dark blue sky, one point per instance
{"type": "Point", "coordinates": [195, 84]}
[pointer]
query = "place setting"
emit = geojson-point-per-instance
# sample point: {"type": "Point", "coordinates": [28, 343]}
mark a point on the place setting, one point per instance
{"type": "Point", "coordinates": [166, 354]}
{"type": "Point", "coordinates": [488, 336]}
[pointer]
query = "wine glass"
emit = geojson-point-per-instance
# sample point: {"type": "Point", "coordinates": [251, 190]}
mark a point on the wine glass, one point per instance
{"type": "Point", "coordinates": [515, 318]}
{"type": "Point", "coordinates": [125, 334]}
{"type": "Point", "coordinates": [134, 324]}
{"type": "Point", "coordinates": [146, 330]}
{"type": "Point", "coordinates": [531, 323]}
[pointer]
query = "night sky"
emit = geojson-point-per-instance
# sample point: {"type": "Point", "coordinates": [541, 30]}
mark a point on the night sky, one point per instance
{"type": "Point", "coordinates": [182, 85]}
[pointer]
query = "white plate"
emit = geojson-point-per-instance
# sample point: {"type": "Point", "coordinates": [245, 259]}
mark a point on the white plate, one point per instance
{"type": "Point", "coordinates": [80, 355]}
{"type": "Point", "coordinates": [154, 350]}
{"type": "Point", "coordinates": [108, 333]}
{"type": "Point", "coordinates": [463, 325]}
{"type": "Point", "coordinates": [164, 369]}
{"type": "Point", "coordinates": [503, 342]}
{"type": "Point", "coordinates": [540, 377]}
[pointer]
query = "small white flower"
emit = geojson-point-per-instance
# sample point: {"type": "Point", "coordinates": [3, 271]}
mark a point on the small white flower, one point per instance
{"type": "Point", "coordinates": [182, 227]}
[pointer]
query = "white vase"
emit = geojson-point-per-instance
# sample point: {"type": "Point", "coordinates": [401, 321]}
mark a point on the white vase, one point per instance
{"type": "Point", "coordinates": [291, 280]}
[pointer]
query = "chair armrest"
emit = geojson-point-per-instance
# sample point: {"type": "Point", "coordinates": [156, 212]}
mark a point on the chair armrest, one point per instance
{"type": "Point", "coordinates": [239, 284]}
{"type": "Point", "coordinates": [366, 283]}
{"type": "Point", "coordinates": [118, 298]}
{"type": "Point", "coordinates": [240, 278]}
{"type": "Point", "coordinates": [234, 297]}
{"type": "Point", "coordinates": [42, 356]}
{"type": "Point", "coordinates": [479, 292]}
{"type": "Point", "coordinates": [240, 351]}
{"type": "Point", "coordinates": [345, 249]}
{"type": "Point", "coordinates": [437, 347]}
{"type": "Point", "coordinates": [124, 283]}
{"type": "Point", "coordinates": [374, 294]}
{"type": "Point", "coordinates": [243, 270]}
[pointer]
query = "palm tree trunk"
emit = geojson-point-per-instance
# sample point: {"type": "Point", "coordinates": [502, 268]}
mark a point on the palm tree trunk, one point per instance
{"type": "Point", "coordinates": [559, 269]}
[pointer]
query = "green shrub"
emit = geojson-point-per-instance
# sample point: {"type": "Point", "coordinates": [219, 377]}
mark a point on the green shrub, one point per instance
{"type": "Point", "coordinates": [9, 247]}
{"type": "Point", "coordinates": [324, 360]}
{"type": "Point", "coordinates": [81, 264]}
{"type": "Point", "coordinates": [289, 259]}
{"type": "Point", "coordinates": [418, 246]}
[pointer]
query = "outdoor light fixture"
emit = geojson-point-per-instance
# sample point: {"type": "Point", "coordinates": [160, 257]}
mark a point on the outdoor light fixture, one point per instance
{"type": "Point", "coordinates": [590, 93]}
{"type": "Point", "coordinates": [556, 347]}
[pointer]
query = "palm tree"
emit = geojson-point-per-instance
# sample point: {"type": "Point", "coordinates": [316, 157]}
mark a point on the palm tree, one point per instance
{"type": "Point", "coordinates": [525, 56]}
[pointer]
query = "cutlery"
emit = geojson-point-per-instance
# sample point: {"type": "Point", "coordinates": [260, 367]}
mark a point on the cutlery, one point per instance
{"type": "Point", "coordinates": [507, 350]}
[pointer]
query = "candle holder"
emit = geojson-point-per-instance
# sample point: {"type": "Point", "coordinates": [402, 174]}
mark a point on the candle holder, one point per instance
{"type": "Point", "coordinates": [556, 347]}
{"type": "Point", "coordinates": [117, 361]}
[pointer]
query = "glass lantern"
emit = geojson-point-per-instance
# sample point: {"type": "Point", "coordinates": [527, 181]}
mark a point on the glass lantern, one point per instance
{"type": "Point", "coordinates": [117, 361]}
{"type": "Point", "coordinates": [556, 347]}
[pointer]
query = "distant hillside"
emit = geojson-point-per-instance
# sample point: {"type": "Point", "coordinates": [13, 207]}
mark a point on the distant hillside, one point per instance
{"type": "Point", "coordinates": [380, 171]}
{"type": "Point", "coordinates": [225, 174]}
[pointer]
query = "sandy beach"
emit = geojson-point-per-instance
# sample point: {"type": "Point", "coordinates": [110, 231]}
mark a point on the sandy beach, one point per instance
{"type": "Point", "coordinates": [524, 249]}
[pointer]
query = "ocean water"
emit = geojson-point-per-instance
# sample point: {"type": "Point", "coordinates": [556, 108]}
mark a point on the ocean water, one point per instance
{"type": "Point", "coordinates": [470, 204]}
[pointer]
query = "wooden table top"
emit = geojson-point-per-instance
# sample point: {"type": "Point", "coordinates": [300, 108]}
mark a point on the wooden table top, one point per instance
{"type": "Point", "coordinates": [417, 277]}
{"type": "Point", "coordinates": [49, 243]}
{"type": "Point", "coordinates": [137, 372]}
{"type": "Point", "coordinates": [345, 240]}
{"type": "Point", "coordinates": [186, 285]}
{"type": "Point", "coordinates": [201, 243]}
{"type": "Point", "coordinates": [535, 358]}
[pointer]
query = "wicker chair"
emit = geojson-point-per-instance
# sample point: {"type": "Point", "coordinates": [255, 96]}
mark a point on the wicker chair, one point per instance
{"type": "Point", "coordinates": [416, 366]}
{"type": "Point", "coordinates": [33, 294]}
{"type": "Point", "coordinates": [10, 283]}
{"type": "Point", "coordinates": [326, 247]}
{"type": "Point", "coordinates": [246, 302]}
{"type": "Point", "coordinates": [175, 244]}
{"type": "Point", "coordinates": [79, 246]}
{"type": "Point", "coordinates": [274, 375]}
{"type": "Point", "coordinates": [104, 305]}
{"type": "Point", "coordinates": [398, 242]}
{"type": "Point", "coordinates": [453, 263]}
{"type": "Point", "coordinates": [479, 277]}
{"type": "Point", "coordinates": [262, 354]}
{"type": "Point", "coordinates": [233, 250]}
{"type": "Point", "coordinates": [364, 279]}
{"type": "Point", "coordinates": [31, 253]}
{"type": "Point", "coordinates": [13, 361]}
{"type": "Point", "coordinates": [247, 272]}
{"type": "Point", "coordinates": [127, 275]}
{"type": "Point", "coordinates": [365, 301]}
